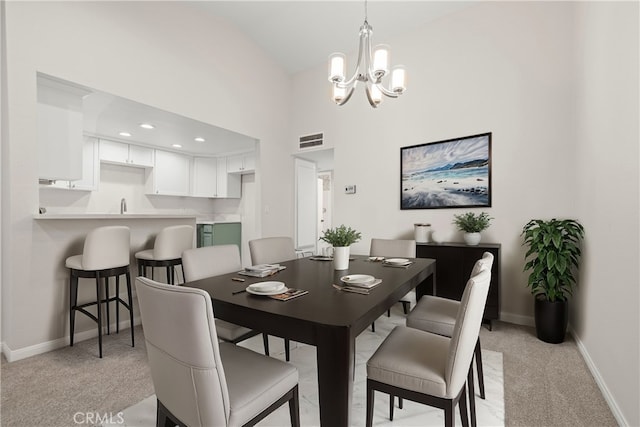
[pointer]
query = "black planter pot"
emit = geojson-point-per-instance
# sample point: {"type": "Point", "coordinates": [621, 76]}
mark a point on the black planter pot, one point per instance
{"type": "Point", "coordinates": [551, 320]}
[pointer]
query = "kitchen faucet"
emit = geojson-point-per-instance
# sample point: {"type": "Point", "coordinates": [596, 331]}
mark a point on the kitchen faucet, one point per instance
{"type": "Point", "coordinates": [123, 206]}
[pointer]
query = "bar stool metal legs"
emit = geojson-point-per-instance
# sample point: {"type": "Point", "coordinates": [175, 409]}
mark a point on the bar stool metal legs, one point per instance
{"type": "Point", "coordinates": [107, 299]}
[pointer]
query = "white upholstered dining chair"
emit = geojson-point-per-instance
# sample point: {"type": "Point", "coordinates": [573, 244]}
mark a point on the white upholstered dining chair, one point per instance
{"type": "Point", "coordinates": [272, 250]}
{"type": "Point", "coordinates": [199, 381]}
{"type": "Point", "coordinates": [438, 315]}
{"type": "Point", "coordinates": [430, 368]}
{"type": "Point", "coordinates": [390, 248]}
{"type": "Point", "coordinates": [209, 261]}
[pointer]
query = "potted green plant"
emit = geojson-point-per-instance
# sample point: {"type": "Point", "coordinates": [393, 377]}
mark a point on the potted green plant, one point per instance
{"type": "Point", "coordinates": [341, 238]}
{"type": "Point", "coordinates": [471, 225]}
{"type": "Point", "coordinates": [552, 258]}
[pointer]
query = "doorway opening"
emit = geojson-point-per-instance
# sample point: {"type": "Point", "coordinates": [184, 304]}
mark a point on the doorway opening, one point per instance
{"type": "Point", "coordinates": [313, 199]}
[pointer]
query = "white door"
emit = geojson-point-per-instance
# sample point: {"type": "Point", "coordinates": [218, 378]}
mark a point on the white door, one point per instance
{"type": "Point", "coordinates": [306, 190]}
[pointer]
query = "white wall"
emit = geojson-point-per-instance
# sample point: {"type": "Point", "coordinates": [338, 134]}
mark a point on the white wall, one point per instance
{"type": "Point", "coordinates": [605, 318]}
{"type": "Point", "coordinates": [499, 67]}
{"type": "Point", "coordinates": [557, 84]}
{"type": "Point", "coordinates": [170, 55]}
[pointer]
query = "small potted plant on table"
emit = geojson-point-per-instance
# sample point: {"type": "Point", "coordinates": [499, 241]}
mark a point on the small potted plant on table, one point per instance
{"type": "Point", "coordinates": [471, 225]}
{"type": "Point", "coordinates": [553, 258]}
{"type": "Point", "coordinates": [341, 238]}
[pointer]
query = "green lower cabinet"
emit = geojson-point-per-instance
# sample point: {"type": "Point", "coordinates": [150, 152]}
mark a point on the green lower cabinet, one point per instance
{"type": "Point", "coordinates": [223, 233]}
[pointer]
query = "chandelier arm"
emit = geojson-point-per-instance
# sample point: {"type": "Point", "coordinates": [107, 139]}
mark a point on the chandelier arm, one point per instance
{"type": "Point", "coordinates": [362, 48]}
{"type": "Point", "coordinates": [387, 92]}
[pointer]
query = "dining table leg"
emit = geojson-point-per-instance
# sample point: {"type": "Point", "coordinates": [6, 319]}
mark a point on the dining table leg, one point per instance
{"type": "Point", "coordinates": [335, 349]}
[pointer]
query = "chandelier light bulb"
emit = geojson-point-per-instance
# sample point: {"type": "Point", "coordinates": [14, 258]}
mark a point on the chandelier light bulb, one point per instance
{"type": "Point", "coordinates": [380, 61]}
{"type": "Point", "coordinates": [376, 94]}
{"type": "Point", "coordinates": [398, 79]}
{"type": "Point", "coordinates": [338, 93]}
{"type": "Point", "coordinates": [336, 67]}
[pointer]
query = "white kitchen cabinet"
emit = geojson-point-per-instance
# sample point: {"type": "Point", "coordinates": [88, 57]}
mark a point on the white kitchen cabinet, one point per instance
{"type": "Point", "coordinates": [90, 169]}
{"type": "Point", "coordinates": [141, 156]}
{"type": "Point", "coordinates": [205, 177]}
{"type": "Point", "coordinates": [242, 163]}
{"type": "Point", "coordinates": [125, 154]}
{"type": "Point", "coordinates": [228, 185]}
{"type": "Point", "coordinates": [170, 174]}
{"type": "Point", "coordinates": [59, 130]}
{"type": "Point", "coordinates": [210, 179]}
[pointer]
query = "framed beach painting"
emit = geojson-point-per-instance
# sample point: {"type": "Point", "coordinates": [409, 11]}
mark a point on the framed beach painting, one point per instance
{"type": "Point", "coordinates": [455, 173]}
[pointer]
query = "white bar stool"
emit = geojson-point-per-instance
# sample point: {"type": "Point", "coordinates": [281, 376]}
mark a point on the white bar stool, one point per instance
{"type": "Point", "coordinates": [167, 251]}
{"type": "Point", "coordinates": [105, 254]}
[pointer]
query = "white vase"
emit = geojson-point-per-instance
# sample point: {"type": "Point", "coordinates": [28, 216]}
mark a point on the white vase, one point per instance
{"type": "Point", "coordinates": [421, 233]}
{"type": "Point", "coordinates": [341, 257]}
{"type": "Point", "coordinates": [472, 239]}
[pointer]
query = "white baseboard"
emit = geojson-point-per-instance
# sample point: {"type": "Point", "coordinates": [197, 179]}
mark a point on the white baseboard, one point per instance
{"type": "Point", "coordinates": [608, 397]}
{"type": "Point", "coordinates": [23, 353]}
{"type": "Point", "coordinates": [517, 319]}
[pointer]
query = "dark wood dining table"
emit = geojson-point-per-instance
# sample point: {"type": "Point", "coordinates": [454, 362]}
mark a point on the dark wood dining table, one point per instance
{"type": "Point", "coordinates": [326, 318]}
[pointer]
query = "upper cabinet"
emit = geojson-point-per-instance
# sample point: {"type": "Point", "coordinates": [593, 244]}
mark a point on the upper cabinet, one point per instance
{"type": "Point", "coordinates": [59, 130]}
{"type": "Point", "coordinates": [228, 185]}
{"type": "Point", "coordinates": [171, 174]}
{"type": "Point", "coordinates": [210, 178]}
{"type": "Point", "coordinates": [126, 154]}
{"type": "Point", "coordinates": [242, 163]}
{"type": "Point", "coordinates": [90, 167]}
{"type": "Point", "coordinates": [205, 177]}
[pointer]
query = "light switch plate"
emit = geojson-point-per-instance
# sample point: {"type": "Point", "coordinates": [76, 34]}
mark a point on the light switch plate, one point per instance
{"type": "Point", "coordinates": [350, 189]}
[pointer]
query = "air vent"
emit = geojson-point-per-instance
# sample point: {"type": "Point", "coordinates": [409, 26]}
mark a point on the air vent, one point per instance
{"type": "Point", "coordinates": [309, 141]}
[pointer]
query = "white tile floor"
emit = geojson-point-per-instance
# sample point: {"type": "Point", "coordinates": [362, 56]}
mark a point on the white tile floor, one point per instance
{"type": "Point", "coordinates": [490, 412]}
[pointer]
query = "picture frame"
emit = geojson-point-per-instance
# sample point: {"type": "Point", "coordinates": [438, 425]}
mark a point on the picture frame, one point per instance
{"type": "Point", "coordinates": [453, 173]}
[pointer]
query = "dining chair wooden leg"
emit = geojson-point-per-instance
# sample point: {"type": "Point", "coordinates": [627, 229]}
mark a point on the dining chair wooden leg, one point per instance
{"type": "Point", "coordinates": [449, 413]}
{"type": "Point", "coordinates": [462, 404]}
{"type": "Point", "coordinates": [391, 399]}
{"type": "Point", "coordinates": [472, 395]}
{"type": "Point", "coordinates": [478, 357]}
{"type": "Point", "coordinates": [265, 342]}
{"type": "Point", "coordinates": [370, 400]}
{"type": "Point", "coordinates": [294, 408]}
{"type": "Point", "coordinates": [287, 351]}
{"type": "Point", "coordinates": [405, 306]}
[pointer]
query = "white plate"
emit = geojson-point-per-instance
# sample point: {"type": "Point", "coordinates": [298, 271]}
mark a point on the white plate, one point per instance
{"type": "Point", "coordinates": [266, 288]}
{"type": "Point", "coordinates": [358, 278]}
{"type": "Point", "coordinates": [398, 261]}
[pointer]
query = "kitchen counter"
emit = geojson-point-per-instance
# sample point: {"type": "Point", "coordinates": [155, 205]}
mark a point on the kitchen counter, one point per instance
{"type": "Point", "coordinates": [112, 216]}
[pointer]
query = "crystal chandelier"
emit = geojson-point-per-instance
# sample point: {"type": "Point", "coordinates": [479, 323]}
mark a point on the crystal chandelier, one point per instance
{"type": "Point", "coordinates": [369, 69]}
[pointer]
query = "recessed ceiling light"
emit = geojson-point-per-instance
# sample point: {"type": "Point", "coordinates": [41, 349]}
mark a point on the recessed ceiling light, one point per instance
{"type": "Point", "coordinates": [199, 139]}
{"type": "Point", "coordinates": [124, 134]}
{"type": "Point", "coordinates": [147, 126]}
{"type": "Point", "coordinates": [176, 145]}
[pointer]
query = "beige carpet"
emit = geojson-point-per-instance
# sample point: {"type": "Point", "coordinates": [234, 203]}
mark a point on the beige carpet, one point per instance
{"type": "Point", "coordinates": [544, 384]}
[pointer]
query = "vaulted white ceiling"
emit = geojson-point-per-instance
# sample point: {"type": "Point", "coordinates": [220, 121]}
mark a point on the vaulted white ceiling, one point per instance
{"type": "Point", "coordinates": [302, 34]}
{"type": "Point", "coordinates": [297, 34]}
